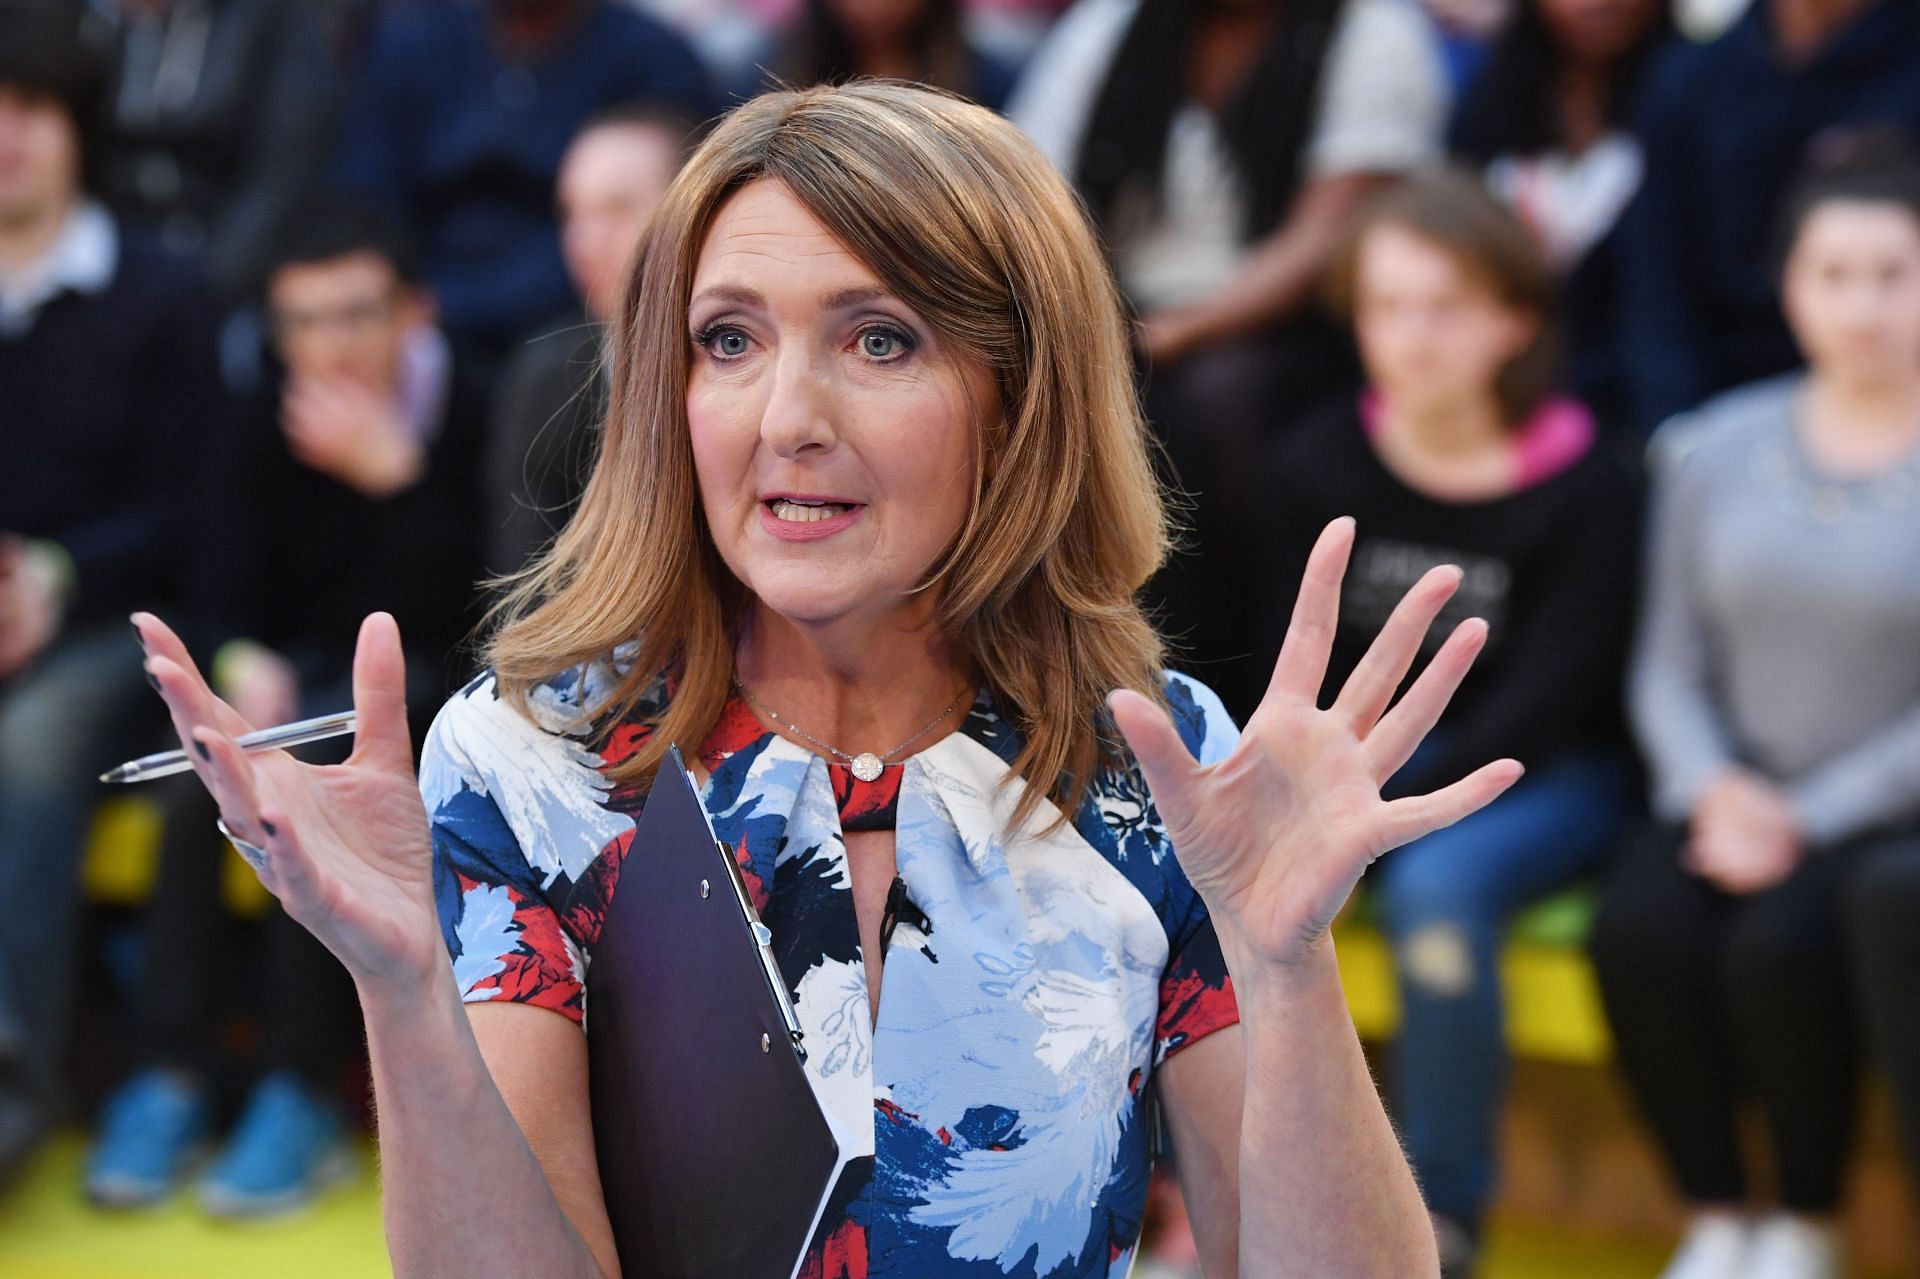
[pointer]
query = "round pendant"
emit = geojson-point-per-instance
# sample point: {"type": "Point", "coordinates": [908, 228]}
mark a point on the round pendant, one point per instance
{"type": "Point", "coordinates": [867, 766]}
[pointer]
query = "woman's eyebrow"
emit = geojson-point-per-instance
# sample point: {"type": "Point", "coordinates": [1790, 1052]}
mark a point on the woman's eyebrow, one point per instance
{"type": "Point", "coordinates": [839, 300]}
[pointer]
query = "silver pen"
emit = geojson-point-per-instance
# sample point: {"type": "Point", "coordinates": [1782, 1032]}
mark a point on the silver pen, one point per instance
{"type": "Point", "coordinates": [298, 733]}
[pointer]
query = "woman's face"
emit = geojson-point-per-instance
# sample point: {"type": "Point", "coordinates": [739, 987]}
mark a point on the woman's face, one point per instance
{"type": "Point", "coordinates": [1852, 290]}
{"type": "Point", "coordinates": [1430, 333]}
{"type": "Point", "coordinates": [833, 432]}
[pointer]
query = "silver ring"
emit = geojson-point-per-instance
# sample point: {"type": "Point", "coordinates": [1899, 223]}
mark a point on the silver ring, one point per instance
{"type": "Point", "coordinates": [252, 854]}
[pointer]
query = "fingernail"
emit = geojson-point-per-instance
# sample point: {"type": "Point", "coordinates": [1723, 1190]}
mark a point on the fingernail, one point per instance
{"type": "Point", "coordinates": [138, 637]}
{"type": "Point", "coordinates": [154, 680]}
{"type": "Point", "coordinates": [268, 827]}
{"type": "Point", "coordinates": [202, 748]}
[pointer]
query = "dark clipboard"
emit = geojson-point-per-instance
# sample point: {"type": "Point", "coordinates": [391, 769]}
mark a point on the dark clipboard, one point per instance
{"type": "Point", "coordinates": [715, 1158]}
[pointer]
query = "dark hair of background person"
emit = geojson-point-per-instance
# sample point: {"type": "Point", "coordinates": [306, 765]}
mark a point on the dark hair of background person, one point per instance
{"type": "Point", "coordinates": [1451, 210]}
{"type": "Point", "coordinates": [1513, 105]}
{"type": "Point", "coordinates": [48, 48]}
{"type": "Point", "coordinates": [1864, 166]}
{"type": "Point", "coordinates": [649, 114]}
{"type": "Point", "coordinates": [331, 231]}
{"type": "Point", "coordinates": [1265, 127]}
{"type": "Point", "coordinates": [822, 52]}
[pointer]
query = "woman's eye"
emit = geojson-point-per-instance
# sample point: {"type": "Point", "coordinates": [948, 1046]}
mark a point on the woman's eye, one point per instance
{"type": "Point", "coordinates": [883, 344]}
{"type": "Point", "coordinates": [728, 343]}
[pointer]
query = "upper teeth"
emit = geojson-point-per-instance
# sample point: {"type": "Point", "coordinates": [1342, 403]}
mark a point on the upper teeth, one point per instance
{"type": "Point", "coordinates": [804, 512]}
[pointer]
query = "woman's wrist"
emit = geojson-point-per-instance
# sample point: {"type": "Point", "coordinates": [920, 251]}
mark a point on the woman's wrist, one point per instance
{"type": "Point", "coordinates": [404, 991]}
{"type": "Point", "coordinates": [1260, 979]}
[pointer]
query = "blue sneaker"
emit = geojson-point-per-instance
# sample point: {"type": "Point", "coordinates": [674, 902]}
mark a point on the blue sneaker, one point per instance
{"type": "Point", "coordinates": [289, 1145]}
{"type": "Point", "coordinates": [150, 1131]}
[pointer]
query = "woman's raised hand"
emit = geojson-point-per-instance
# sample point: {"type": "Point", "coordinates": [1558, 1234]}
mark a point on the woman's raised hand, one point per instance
{"type": "Point", "coordinates": [1275, 835]}
{"type": "Point", "coordinates": [347, 850]}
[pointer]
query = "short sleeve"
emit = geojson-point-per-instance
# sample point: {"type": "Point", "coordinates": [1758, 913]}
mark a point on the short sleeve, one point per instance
{"type": "Point", "coordinates": [1383, 94]}
{"type": "Point", "coordinates": [502, 935]}
{"type": "Point", "coordinates": [1196, 992]}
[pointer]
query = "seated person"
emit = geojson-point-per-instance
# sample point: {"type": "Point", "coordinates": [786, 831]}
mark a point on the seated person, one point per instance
{"type": "Point", "coordinates": [458, 126]}
{"type": "Point", "coordinates": [349, 487]}
{"type": "Point", "coordinates": [1727, 126]}
{"type": "Point", "coordinates": [107, 377]}
{"type": "Point", "coordinates": [1459, 452]}
{"type": "Point", "coordinates": [553, 392]}
{"type": "Point", "coordinates": [1551, 121]}
{"type": "Point", "coordinates": [1775, 692]}
{"type": "Point", "coordinates": [1222, 148]}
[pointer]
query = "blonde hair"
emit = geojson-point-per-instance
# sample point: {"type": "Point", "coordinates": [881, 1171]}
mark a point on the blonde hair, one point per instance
{"type": "Point", "coordinates": [967, 223]}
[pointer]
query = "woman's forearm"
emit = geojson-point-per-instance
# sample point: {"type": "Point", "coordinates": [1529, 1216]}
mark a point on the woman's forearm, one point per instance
{"type": "Point", "coordinates": [1325, 1189]}
{"type": "Point", "coordinates": [462, 1192]}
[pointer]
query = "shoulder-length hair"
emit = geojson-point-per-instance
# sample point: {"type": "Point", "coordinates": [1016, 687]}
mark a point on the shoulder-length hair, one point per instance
{"type": "Point", "coordinates": [1451, 210]}
{"type": "Point", "coordinates": [967, 223]}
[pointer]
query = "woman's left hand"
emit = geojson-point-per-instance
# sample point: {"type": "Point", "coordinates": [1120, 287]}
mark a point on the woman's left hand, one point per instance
{"type": "Point", "coordinates": [1275, 835]}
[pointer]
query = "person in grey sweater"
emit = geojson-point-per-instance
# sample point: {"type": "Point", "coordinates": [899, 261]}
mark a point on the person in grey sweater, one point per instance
{"type": "Point", "coordinates": [1775, 693]}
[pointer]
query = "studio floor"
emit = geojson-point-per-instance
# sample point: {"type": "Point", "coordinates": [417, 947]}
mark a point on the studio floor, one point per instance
{"type": "Point", "coordinates": [46, 1232]}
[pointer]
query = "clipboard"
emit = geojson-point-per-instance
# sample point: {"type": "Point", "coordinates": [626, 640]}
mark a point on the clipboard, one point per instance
{"type": "Point", "coordinates": [715, 1157]}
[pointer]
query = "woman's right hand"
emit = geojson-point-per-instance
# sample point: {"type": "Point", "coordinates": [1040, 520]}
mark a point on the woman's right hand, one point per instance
{"type": "Point", "coordinates": [347, 847]}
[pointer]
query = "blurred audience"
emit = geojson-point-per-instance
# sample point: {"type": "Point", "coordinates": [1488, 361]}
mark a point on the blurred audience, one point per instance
{"type": "Point", "coordinates": [1726, 127]}
{"type": "Point", "coordinates": [1460, 452]}
{"type": "Point", "coordinates": [1776, 694]}
{"type": "Point", "coordinates": [458, 126]}
{"type": "Point", "coordinates": [1550, 120]}
{"type": "Point", "coordinates": [553, 393]}
{"type": "Point", "coordinates": [349, 488]}
{"type": "Point", "coordinates": [1221, 147]}
{"type": "Point", "coordinates": [107, 376]}
{"type": "Point", "coordinates": [219, 125]}
{"type": "Point", "coordinates": [833, 41]}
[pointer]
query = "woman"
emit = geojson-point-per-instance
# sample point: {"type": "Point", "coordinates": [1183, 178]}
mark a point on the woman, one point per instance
{"type": "Point", "coordinates": [853, 494]}
{"type": "Point", "coordinates": [1550, 121]}
{"type": "Point", "coordinates": [1776, 695]}
{"type": "Point", "coordinates": [924, 40]}
{"type": "Point", "coordinates": [1222, 146]}
{"type": "Point", "coordinates": [1459, 452]}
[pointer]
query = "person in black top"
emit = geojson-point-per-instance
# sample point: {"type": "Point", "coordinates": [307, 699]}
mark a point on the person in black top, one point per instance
{"type": "Point", "coordinates": [107, 380]}
{"type": "Point", "coordinates": [350, 487]}
{"type": "Point", "coordinates": [552, 397]}
{"type": "Point", "coordinates": [1458, 454]}
{"type": "Point", "coordinates": [1550, 120]}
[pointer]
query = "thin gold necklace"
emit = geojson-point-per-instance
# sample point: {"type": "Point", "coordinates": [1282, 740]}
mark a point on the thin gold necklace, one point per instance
{"type": "Point", "coordinates": [866, 766]}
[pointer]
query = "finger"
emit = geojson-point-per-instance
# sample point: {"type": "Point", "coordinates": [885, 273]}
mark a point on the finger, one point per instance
{"type": "Point", "coordinates": [1363, 700]}
{"type": "Point", "coordinates": [1164, 760]}
{"type": "Point", "coordinates": [229, 777]}
{"type": "Point", "coordinates": [1418, 815]}
{"type": "Point", "coordinates": [158, 640]}
{"type": "Point", "coordinates": [1395, 738]}
{"type": "Point", "coordinates": [1302, 664]}
{"type": "Point", "coordinates": [380, 696]}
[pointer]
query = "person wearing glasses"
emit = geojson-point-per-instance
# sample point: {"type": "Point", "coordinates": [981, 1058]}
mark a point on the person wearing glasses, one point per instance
{"type": "Point", "coordinates": [347, 487]}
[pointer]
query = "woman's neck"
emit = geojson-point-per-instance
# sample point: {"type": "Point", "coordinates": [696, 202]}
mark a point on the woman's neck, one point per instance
{"type": "Point", "coordinates": [854, 683]}
{"type": "Point", "coordinates": [27, 240]}
{"type": "Point", "coordinates": [1802, 27]}
{"type": "Point", "coordinates": [1859, 424]}
{"type": "Point", "coordinates": [1585, 90]}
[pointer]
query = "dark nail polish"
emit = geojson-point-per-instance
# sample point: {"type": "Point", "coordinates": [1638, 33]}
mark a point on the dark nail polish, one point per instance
{"type": "Point", "coordinates": [202, 748]}
{"type": "Point", "coordinates": [155, 681]}
{"type": "Point", "coordinates": [268, 827]}
{"type": "Point", "coordinates": [138, 637]}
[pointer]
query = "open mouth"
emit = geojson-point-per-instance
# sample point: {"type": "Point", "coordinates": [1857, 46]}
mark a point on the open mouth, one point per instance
{"type": "Point", "coordinates": [796, 511]}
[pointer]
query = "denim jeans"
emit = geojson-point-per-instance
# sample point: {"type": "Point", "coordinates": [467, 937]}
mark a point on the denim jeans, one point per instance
{"type": "Point", "coordinates": [82, 707]}
{"type": "Point", "coordinates": [1443, 902]}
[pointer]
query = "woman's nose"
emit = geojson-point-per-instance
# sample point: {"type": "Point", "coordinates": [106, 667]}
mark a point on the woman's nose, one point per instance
{"type": "Point", "coordinates": [798, 417]}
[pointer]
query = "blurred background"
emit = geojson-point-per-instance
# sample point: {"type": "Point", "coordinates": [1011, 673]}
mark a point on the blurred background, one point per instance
{"type": "Point", "coordinates": [304, 306]}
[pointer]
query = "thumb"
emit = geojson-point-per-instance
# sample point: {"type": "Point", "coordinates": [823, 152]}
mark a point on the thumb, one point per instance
{"type": "Point", "coordinates": [380, 696]}
{"type": "Point", "coordinates": [1164, 759]}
